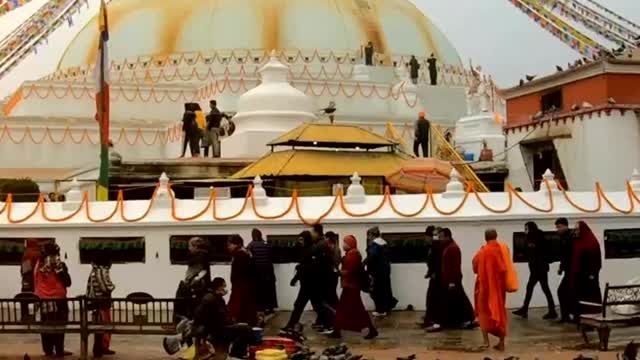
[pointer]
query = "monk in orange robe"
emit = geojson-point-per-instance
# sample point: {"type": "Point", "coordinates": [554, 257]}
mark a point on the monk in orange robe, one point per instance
{"type": "Point", "coordinates": [490, 290]}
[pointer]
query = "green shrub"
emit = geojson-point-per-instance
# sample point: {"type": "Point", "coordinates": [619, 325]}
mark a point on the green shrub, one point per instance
{"type": "Point", "coordinates": [23, 190]}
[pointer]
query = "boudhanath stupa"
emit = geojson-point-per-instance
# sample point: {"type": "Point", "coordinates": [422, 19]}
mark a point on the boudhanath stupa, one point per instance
{"type": "Point", "coordinates": [275, 64]}
{"type": "Point", "coordinates": [164, 54]}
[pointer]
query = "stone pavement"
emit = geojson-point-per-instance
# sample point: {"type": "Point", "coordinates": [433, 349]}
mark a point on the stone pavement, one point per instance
{"type": "Point", "coordinates": [528, 339]}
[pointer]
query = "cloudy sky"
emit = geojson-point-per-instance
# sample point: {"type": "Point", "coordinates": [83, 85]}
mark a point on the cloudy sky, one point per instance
{"type": "Point", "coordinates": [501, 38]}
{"type": "Point", "coordinates": [491, 32]}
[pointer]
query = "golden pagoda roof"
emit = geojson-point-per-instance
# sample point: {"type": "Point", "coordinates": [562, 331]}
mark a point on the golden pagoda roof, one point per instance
{"type": "Point", "coordinates": [297, 162]}
{"type": "Point", "coordinates": [332, 136]}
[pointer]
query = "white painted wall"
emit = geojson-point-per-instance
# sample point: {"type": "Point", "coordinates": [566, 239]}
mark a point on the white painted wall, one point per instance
{"type": "Point", "coordinates": [601, 148]}
{"type": "Point", "coordinates": [160, 279]}
{"type": "Point", "coordinates": [75, 150]}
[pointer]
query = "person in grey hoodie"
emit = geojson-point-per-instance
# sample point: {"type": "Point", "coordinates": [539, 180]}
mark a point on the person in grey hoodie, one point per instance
{"type": "Point", "coordinates": [379, 269]}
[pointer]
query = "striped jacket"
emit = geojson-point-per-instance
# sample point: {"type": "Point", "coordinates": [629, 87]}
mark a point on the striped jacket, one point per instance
{"type": "Point", "coordinates": [99, 284]}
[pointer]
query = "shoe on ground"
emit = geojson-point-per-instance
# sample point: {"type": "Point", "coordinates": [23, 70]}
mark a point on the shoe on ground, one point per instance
{"type": "Point", "coordinates": [470, 325]}
{"type": "Point", "coordinates": [550, 316]}
{"type": "Point", "coordinates": [522, 313]}
{"type": "Point", "coordinates": [373, 333]}
{"type": "Point", "coordinates": [434, 328]}
{"type": "Point", "coordinates": [326, 331]}
{"type": "Point", "coordinates": [377, 314]}
{"type": "Point", "coordinates": [335, 335]}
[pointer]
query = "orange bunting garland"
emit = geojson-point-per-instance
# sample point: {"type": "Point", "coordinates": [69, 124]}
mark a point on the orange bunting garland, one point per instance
{"type": "Point", "coordinates": [119, 207]}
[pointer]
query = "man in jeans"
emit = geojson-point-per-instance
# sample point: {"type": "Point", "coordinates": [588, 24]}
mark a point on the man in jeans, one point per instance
{"type": "Point", "coordinates": [421, 135]}
{"type": "Point", "coordinates": [214, 124]}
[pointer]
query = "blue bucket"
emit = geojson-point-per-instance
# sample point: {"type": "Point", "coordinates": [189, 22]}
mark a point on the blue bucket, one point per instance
{"type": "Point", "coordinates": [258, 333]}
{"type": "Point", "coordinates": [468, 157]}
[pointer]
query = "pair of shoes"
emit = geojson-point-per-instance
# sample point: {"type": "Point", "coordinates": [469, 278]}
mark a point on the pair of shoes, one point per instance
{"type": "Point", "coordinates": [373, 333]}
{"type": "Point", "coordinates": [551, 315]}
{"type": "Point", "coordinates": [523, 313]}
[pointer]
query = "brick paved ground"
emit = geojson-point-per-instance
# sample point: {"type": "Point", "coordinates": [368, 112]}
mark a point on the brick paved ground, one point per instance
{"type": "Point", "coordinates": [529, 339]}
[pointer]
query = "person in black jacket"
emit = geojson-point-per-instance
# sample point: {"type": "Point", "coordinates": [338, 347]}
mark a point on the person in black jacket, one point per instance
{"type": "Point", "coordinates": [538, 255]}
{"type": "Point", "coordinates": [212, 322]}
{"type": "Point", "coordinates": [214, 126]}
{"type": "Point", "coordinates": [261, 252]}
{"type": "Point", "coordinates": [190, 131]}
{"type": "Point", "coordinates": [379, 269]}
{"type": "Point", "coordinates": [565, 297]}
{"type": "Point", "coordinates": [368, 54]}
{"type": "Point", "coordinates": [414, 69]}
{"type": "Point", "coordinates": [310, 273]}
{"type": "Point", "coordinates": [422, 127]}
{"type": "Point", "coordinates": [433, 69]}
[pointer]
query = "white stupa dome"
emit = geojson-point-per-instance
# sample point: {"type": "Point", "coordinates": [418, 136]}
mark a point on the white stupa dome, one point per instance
{"type": "Point", "coordinates": [267, 111]}
{"type": "Point", "coordinates": [274, 100]}
{"type": "Point", "coordinates": [153, 27]}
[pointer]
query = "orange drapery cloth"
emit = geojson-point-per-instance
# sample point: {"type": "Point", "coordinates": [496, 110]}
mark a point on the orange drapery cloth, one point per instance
{"type": "Point", "coordinates": [490, 290]}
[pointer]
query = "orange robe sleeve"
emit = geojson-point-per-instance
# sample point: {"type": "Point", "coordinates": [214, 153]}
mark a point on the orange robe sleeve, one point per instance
{"type": "Point", "coordinates": [490, 290]}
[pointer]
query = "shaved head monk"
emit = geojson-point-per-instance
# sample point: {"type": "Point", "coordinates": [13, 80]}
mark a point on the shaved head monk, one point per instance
{"type": "Point", "coordinates": [490, 291]}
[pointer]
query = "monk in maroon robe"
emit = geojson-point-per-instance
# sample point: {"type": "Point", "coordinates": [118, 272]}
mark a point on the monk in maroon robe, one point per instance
{"type": "Point", "coordinates": [584, 271]}
{"type": "Point", "coordinates": [351, 314]}
{"type": "Point", "coordinates": [455, 309]}
{"type": "Point", "coordinates": [242, 302]}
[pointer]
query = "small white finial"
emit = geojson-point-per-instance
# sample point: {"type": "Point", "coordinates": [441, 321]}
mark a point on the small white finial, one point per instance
{"type": "Point", "coordinates": [73, 196]}
{"type": "Point", "coordinates": [355, 191]}
{"type": "Point", "coordinates": [548, 182]}
{"type": "Point", "coordinates": [259, 193]}
{"type": "Point", "coordinates": [455, 186]}
{"type": "Point", "coordinates": [163, 195]}
{"type": "Point", "coordinates": [635, 181]}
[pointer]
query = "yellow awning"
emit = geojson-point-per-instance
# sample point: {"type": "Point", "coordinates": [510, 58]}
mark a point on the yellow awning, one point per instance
{"type": "Point", "coordinates": [332, 135]}
{"type": "Point", "coordinates": [323, 163]}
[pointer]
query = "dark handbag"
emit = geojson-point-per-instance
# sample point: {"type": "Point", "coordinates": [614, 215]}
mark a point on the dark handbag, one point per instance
{"type": "Point", "coordinates": [364, 281]}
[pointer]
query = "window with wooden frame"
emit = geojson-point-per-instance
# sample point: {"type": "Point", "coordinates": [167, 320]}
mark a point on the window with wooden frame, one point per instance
{"type": "Point", "coordinates": [218, 253]}
{"type": "Point", "coordinates": [407, 248]}
{"type": "Point", "coordinates": [12, 249]}
{"type": "Point", "coordinates": [121, 250]}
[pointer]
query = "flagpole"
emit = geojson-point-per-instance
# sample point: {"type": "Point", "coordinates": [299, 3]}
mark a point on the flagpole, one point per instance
{"type": "Point", "coordinates": [103, 105]}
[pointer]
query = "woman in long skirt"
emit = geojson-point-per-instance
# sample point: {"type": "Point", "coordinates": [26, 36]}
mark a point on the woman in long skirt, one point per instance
{"type": "Point", "coordinates": [350, 313]}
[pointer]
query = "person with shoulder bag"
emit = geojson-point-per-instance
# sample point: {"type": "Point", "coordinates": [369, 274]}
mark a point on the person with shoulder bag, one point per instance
{"type": "Point", "coordinates": [99, 289]}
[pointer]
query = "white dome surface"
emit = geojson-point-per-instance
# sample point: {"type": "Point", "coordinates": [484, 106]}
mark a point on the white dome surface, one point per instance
{"type": "Point", "coordinates": [152, 27]}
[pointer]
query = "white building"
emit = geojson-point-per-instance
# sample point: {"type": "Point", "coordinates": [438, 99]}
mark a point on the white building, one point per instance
{"type": "Point", "coordinates": [157, 231]}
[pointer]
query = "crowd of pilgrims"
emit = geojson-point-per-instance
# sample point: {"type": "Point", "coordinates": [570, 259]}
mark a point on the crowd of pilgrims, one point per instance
{"type": "Point", "coordinates": [321, 268]}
